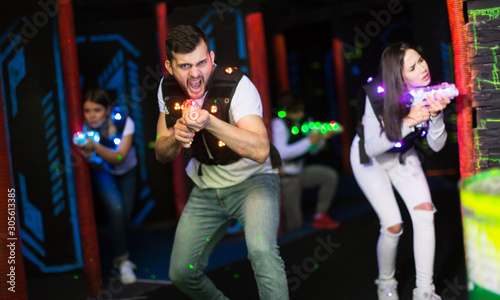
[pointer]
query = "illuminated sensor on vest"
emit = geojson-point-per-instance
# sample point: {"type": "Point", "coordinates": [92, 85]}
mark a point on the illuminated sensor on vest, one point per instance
{"type": "Point", "coordinates": [221, 144]}
{"type": "Point", "coordinates": [213, 109]}
{"type": "Point", "coordinates": [115, 114]}
{"type": "Point", "coordinates": [177, 106]}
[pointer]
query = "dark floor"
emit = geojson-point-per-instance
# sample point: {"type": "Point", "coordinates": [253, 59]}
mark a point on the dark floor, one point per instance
{"type": "Point", "coordinates": [347, 273]}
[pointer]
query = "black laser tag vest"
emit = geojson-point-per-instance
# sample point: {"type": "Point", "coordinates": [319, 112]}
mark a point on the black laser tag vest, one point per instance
{"type": "Point", "coordinates": [221, 87]}
{"type": "Point", "coordinates": [110, 140]}
{"type": "Point", "coordinates": [377, 102]}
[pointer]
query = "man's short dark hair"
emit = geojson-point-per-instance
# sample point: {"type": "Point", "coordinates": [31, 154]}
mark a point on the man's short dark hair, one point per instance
{"type": "Point", "coordinates": [184, 39]}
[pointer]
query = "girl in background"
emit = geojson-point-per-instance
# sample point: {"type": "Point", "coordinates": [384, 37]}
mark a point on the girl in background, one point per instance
{"type": "Point", "coordinates": [114, 178]}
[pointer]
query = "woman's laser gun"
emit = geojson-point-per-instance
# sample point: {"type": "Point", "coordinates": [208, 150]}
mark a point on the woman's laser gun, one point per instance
{"type": "Point", "coordinates": [415, 96]}
{"type": "Point", "coordinates": [80, 139]}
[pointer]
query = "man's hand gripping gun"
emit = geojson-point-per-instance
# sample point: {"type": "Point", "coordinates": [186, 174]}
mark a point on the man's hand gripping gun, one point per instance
{"type": "Point", "coordinates": [193, 110]}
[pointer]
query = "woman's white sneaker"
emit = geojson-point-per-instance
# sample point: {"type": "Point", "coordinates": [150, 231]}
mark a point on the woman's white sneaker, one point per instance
{"type": "Point", "coordinates": [127, 275]}
{"type": "Point", "coordinates": [387, 289]}
{"type": "Point", "coordinates": [425, 293]}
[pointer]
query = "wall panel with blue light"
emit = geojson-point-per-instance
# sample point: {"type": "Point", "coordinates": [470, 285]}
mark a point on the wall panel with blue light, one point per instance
{"type": "Point", "coordinates": [39, 141]}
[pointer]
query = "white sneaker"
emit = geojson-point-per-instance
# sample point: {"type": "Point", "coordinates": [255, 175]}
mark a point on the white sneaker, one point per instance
{"type": "Point", "coordinates": [127, 275]}
{"type": "Point", "coordinates": [387, 289]}
{"type": "Point", "coordinates": [425, 293]}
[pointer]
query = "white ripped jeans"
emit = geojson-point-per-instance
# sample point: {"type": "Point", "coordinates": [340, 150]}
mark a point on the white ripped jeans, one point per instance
{"type": "Point", "coordinates": [376, 180]}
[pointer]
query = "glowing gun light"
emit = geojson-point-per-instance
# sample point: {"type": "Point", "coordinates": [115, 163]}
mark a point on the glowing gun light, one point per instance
{"type": "Point", "coordinates": [80, 139]}
{"type": "Point", "coordinates": [324, 128]}
{"type": "Point", "coordinates": [193, 111]}
{"type": "Point", "coordinates": [415, 96]}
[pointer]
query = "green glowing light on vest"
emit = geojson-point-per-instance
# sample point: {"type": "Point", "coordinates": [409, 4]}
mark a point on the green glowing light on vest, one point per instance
{"type": "Point", "coordinates": [282, 114]}
{"type": "Point", "coordinates": [295, 130]}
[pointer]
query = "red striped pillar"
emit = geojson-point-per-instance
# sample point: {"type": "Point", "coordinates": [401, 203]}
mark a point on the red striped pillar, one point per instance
{"type": "Point", "coordinates": [345, 138]}
{"type": "Point", "coordinates": [71, 74]}
{"type": "Point", "coordinates": [281, 63]}
{"type": "Point", "coordinates": [258, 63]}
{"type": "Point", "coordinates": [178, 173]}
{"type": "Point", "coordinates": [462, 79]}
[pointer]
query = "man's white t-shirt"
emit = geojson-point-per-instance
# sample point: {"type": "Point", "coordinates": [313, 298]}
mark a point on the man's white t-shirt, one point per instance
{"type": "Point", "coordinates": [246, 101]}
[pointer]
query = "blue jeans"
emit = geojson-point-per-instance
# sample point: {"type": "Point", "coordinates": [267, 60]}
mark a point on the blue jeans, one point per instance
{"type": "Point", "coordinates": [204, 221]}
{"type": "Point", "coordinates": [118, 194]}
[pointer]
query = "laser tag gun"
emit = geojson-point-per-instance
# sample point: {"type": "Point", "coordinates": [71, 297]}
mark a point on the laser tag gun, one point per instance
{"type": "Point", "coordinates": [193, 111]}
{"type": "Point", "coordinates": [80, 139]}
{"type": "Point", "coordinates": [415, 96]}
{"type": "Point", "coordinates": [318, 127]}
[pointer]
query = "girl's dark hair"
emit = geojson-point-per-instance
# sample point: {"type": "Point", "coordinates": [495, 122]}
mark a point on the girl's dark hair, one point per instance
{"type": "Point", "coordinates": [98, 96]}
{"type": "Point", "coordinates": [101, 97]}
{"type": "Point", "coordinates": [184, 39]}
{"type": "Point", "coordinates": [290, 102]}
{"type": "Point", "coordinates": [391, 71]}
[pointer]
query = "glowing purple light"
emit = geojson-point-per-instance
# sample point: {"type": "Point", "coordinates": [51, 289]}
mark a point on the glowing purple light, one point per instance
{"type": "Point", "coordinates": [423, 133]}
{"type": "Point", "coordinates": [398, 145]}
{"type": "Point", "coordinates": [369, 79]}
{"type": "Point", "coordinates": [380, 89]}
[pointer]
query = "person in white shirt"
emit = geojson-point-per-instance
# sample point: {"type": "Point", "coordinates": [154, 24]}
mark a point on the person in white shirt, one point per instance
{"type": "Point", "coordinates": [231, 169]}
{"type": "Point", "coordinates": [114, 177]}
{"type": "Point", "coordinates": [294, 143]}
{"type": "Point", "coordinates": [383, 156]}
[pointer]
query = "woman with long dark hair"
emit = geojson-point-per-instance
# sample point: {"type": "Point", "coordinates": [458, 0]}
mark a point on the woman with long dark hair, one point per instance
{"type": "Point", "coordinates": [383, 156]}
{"type": "Point", "coordinates": [113, 172]}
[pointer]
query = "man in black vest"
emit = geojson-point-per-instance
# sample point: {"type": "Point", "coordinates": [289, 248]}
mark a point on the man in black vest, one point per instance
{"type": "Point", "coordinates": [231, 169]}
